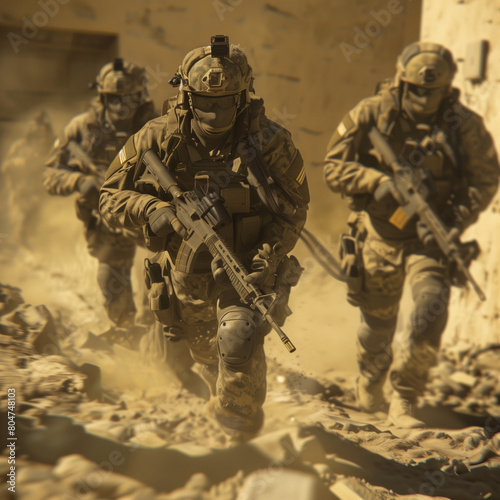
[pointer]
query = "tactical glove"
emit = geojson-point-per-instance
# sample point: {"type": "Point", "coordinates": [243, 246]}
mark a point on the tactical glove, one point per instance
{"type": "Point", "coordinates": [425, 235]}
{"type": "Point", "coordinates": [263, 264]}
{"type": "Point", "coordinates": [162, 220]}
{"type": "Point", "coordinates": [89, 190]}
{"type": "Point", "coordinates": [219, 274]}
{"type": "Point", "coordinates": [386, 188]}
{"type": "Point", "coordinates": [461, 216]}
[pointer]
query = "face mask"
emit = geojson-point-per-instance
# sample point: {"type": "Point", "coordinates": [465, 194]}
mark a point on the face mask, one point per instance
{"type": "Point", "coordinates": [214, 115]}
{"type": "Point", "coordinates": [119, 107]}
{"type": "Point", "coordinates": [421, 102]}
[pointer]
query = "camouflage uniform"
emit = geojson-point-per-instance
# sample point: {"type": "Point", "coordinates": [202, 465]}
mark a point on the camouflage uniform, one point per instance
{"type": "Point", "coordinates": [21, 169]}
{"type": "Point", "coordinates": [223, 334]}
{"type": "Point", "coordinates": [114, 248]}
{"type": "Point", "coordinates": [460, 156]}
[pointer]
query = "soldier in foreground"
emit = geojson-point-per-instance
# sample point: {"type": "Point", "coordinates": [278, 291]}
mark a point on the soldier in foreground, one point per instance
{"type": "Point", "coordinates": [447, 158]}
{"type": "Point", "coordinates": [209, 145]}
{"type": "Point", "coordinates": [78, 164]}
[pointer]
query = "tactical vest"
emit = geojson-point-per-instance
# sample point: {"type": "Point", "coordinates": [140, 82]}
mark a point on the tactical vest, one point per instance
{"type": "Point", "coordinates": [100, 139]}
{"type": "Point", "coordinates": [225, 174]}
{"type": "Point", "coordinates": [432, 152]}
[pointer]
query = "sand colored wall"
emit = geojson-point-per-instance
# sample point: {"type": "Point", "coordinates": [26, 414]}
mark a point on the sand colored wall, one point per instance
{"type": "Point", "coordinates": [313, 60]}
{"type": "Point", "coordinates": [456, 24]}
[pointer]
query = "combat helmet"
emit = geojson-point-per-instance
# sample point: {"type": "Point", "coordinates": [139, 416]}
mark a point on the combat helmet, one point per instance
{"type": "Point", "coordinates": [216, 70]}
{"type": "Point", "coordinates": [426, 64]}
{"type": "Point", "coordinates": [120, 77]}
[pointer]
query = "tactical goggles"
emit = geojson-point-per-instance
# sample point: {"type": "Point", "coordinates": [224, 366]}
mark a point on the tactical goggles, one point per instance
{"type": "Point", "coordinates": [425, 91]}
{"type": "Point", "coordinates": [206, 103]}
{"type": "Point", "coordinates": [123, 99]}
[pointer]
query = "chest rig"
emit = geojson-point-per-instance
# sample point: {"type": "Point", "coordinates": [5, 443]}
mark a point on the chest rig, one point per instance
{"type": "Point", "coordinates": [102, 142]}
{"type": "Point", "coordinates": [431, 151]}
{"type": "Point", "coordinates": [224, 174]}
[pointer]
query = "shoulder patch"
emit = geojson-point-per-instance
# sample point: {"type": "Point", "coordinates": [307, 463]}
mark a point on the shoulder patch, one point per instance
{"type": "Point", "coordinates": [344, 126]}
{"type": "Point", "coordinates": [128, 151]}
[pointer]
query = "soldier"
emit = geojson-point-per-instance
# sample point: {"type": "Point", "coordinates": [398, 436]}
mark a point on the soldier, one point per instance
{"type": "Point", "coordinates": [21, 169]}
{"type": "Point", "coordinates": [78, 164]}
{"type": "Point", "coordinates": [209, 139]}
{"type": "Point", "coordinates": [428, 128]}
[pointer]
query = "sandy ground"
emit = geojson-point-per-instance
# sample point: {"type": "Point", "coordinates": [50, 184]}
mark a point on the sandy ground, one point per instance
{"type": "Point", "coordinates": [95, 421]}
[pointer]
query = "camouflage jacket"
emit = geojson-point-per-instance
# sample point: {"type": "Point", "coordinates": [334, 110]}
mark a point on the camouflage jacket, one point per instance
{"type": "Point", "coordinates": [129, 189]}
{"type": "Point", "coordinates": [98, 139]}
{"type": "Point", "coordinates": [463, 167]}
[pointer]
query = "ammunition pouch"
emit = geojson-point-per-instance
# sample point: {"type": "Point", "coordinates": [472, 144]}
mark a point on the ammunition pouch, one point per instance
{"type": "Point", "coordinates": [351, 265]}
{"type": "Point", "coordinates": [160, 292]}
{"type": "Point", "coordinates": [358, 202]}
{"type": "Point", "coordinates": [153, 242]}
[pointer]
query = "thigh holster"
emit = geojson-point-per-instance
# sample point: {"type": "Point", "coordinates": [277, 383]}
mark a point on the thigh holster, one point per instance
{"type": "Point", "coordinates": [160, 292]}
{"type": "Point", "coordinates": [236, 338]}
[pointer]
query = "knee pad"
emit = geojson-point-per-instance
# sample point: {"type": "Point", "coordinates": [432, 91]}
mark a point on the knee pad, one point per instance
{"type": "Point", "coordinates": [430, 315]}
{"type": "Point", "coordinates": [236, 338]}
{"type": "Point", "coordinates": [374, 334]}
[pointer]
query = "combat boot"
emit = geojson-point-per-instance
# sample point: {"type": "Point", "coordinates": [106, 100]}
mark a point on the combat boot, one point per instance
{"type": "Point", "coordinates": [369, 393]}
{"type": "Point", "coordinates": [402, 412]}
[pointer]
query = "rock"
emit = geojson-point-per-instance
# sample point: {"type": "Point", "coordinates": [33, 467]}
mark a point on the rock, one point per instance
{"type": "Point", "coordinates": [92, 384]}
{"type": "Point", "coordinates": [33, 474]}
{"type": "Point", "coordinates": [38, 325]}
{"type": "Point", "coordinates": [72, 466]}
{"type": "Point", "coordinates": [42, 490]}
{"type": "Point", "coordinates": [120, 486]}
{"type": "Point", "coordinates": [273, 484]}
{"type": "Point", "coordinates": [195, 489]}
{"type": "Point", "coordinates": [228, 489]}
{"type": "Point", "coordinates": [464, 379]}
{"type": "Point", "coordinates": [50, 376]}
{"type": "Point", "coordinates": [90, 341]}
{"type": "Point", "coordinates": [149, 439]}
{"type": "Point", "coordinates": [198, 482]}
{"type": "Point", "coordinates": [10, 298]}
{"type": "Point", "coordinates": [484, 389]}
{"type": "Point", "coordinates": [458, 350]}
{"type": "Point", "coordinates": [107, 429]}
{"type": "Point", "coordinates": [7, 330]}
{"type": "Point", "coordinates": [489, 359]}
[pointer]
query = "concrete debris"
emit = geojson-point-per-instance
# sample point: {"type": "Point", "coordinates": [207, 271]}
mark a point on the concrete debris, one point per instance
{"type": "Point", "coordinates": [10, 299]}
{"type": "Point", "coordinates": [37, 325]}
{"type": "Point", "coordinates": [273, 484]}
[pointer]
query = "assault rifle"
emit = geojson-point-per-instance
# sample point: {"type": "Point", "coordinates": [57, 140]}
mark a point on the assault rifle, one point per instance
{"type": "Point", "coordinates": [201, 215]}
{"type": "Point", "coordinates": [415, 203]}
{"type": "Point", "coordinates": [90, 167]}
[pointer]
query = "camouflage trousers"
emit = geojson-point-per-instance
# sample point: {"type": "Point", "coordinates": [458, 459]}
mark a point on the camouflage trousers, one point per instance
{"type": "Point", "coordinates": [227, 338]}
{"type": "Point", "coordinates": [115, 254]}
{"type": "Point", "coordinates": [386, 266]}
